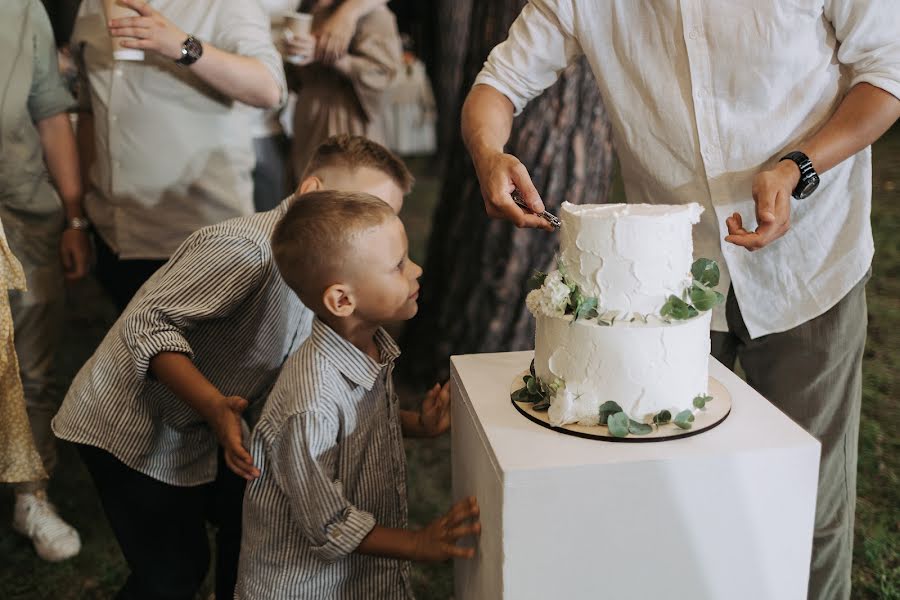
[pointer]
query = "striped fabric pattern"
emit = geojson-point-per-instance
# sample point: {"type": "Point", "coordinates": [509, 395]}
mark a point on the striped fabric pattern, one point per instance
{"type": "Point", "coordinates": [221, 301]}
{"type": "Point", "coordinates": [330, 449]}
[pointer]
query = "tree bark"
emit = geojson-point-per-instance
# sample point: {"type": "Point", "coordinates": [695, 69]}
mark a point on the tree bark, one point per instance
{"type": "Point", "coordinates": [454, 18]}
{"type": "Point", "coordinates": [474, 285]}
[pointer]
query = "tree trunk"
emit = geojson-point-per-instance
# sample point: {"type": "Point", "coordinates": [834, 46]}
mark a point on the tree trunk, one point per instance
{"type": "Point", "coordinates": [474, 285]}
{"type": "Point", "coordinates": [453, 21]}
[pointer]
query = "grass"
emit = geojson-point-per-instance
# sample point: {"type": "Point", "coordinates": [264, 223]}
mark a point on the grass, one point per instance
{"type": "Point", "coordinates": [99, 570]}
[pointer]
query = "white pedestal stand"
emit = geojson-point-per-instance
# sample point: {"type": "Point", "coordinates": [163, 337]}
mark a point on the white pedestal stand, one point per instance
{"type": "Point", "coordinates": [724, 515]}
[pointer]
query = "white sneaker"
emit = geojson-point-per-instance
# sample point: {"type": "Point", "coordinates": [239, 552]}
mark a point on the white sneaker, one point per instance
{"type": "Point", "coordinates": [35, 517]}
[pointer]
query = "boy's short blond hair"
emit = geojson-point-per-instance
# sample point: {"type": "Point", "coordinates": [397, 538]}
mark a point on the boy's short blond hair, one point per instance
{"type": "Point", "coordinates": [353, 152]}
{"type": "Point", "coordinates": [314, 240]}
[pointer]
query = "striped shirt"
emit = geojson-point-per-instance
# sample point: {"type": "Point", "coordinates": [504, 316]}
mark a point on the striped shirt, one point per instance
{"type": "Point", "coordinates": [330, 449]}
{"type": "Point", "coordinates": [219, 300]}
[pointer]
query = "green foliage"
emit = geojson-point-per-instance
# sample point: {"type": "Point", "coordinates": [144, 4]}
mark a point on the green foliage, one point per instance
{"type": "Point", "coordinates": [685, 419]}
{"type": "Point", "coordinates": [586, 308]}
{"type": "Point", "coordinates": [703, 298]}
{"type": "Point", "coordinates": [662, 417]}
{"type": "Point", "coordinates": [607, 409]}
{"type": "Point", "coordinates": [701, 400]}
{"type": "Point", "coordinates": [678, 309]}
{"type": "Point", "coordinates": [536, 280]}
{"type": "Point", "coordinates": [541, 405]}
{"type": "Point", "coordinates": [638, 428]}
{"type": "Point", "coordinates": [618, 424]}
{"type": "Point", "coordinates": [706, 272]}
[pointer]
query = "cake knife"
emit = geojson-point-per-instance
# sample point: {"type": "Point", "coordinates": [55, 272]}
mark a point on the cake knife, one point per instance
{"type": "Point", "coordinates": [552, 219]}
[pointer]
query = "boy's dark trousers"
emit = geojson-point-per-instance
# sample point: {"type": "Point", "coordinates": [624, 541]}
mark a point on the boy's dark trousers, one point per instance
{"type": "Point", "coordinates": [161, 528]}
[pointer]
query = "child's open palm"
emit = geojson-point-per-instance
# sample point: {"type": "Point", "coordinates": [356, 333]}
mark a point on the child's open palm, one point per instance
{"type": "Point", "coordinates": [434, 415]}
{"type": "Point", "coordinates": [437, 541]}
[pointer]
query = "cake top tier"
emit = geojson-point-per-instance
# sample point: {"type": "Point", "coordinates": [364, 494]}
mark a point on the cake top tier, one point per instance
{"type": "Point", "coordinates": [631, 257]}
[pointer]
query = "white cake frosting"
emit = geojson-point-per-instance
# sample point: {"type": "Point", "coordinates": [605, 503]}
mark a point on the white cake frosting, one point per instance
{"type": "Point", "coordinates": [631, 258]}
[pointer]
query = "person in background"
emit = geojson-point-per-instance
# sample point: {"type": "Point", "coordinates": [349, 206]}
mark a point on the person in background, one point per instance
{"type": "Point", "coordinates": [272, 174]}
{"type": "Point", "coordinates": [342, 93]}
{"type": "Point", "coordinates": [41, 211]}
{"type": "Point", "coordinates": [166, 142]}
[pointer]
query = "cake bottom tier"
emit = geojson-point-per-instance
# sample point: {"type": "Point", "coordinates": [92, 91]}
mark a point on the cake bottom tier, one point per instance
{"type": "Point", "coordinates": [644, 368]}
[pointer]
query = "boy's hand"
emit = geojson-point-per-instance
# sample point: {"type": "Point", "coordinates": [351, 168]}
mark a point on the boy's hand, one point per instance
{"type": "Point", "coordinates": [225, 420]}
{"type": "Point", "coordinates": [434, 414]}
{"type": "Point", "coordinates": [437, 542]}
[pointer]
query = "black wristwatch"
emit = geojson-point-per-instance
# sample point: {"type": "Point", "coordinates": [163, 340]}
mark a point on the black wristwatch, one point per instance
{"type": "Point", "coordinates": [191, 50]}
{"type": "Point", "coordinates": [809, 179]}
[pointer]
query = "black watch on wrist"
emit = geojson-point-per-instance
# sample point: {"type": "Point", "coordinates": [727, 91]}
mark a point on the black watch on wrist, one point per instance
{"type": "Point", "coordinates": [191, 50]}
{"type": "Point", "coordinates": [809, 179]}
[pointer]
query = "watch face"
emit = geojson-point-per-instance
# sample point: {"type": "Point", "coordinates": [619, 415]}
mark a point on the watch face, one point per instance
{"type": "Point", "coordinates": [194, 48]}
{"type": "Point", "coordinates": [807, 187]}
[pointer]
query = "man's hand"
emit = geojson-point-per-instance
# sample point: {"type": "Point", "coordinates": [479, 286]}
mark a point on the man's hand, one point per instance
{"type": "Point", "coordinates": [153, 31]}
{"type": "Point", "coordinates": [300, 48]}
{"type": "Point", "coordinates": [499, 174]}
{"type": "Point", "coordinates": [434, 414]}
{"type": "Point", "coordinates": [225, 420]}
{"type": "Point", "coordinates": [75, 253]}
{"type": "Point", "coordinates": [772, 194]}
{"type": "Point", "coordinates": [437, 541]}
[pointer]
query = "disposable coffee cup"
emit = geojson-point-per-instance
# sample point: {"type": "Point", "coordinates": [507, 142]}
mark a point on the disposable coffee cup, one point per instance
{"type": "Point", "coordinates": [117, 11]}
{"type": "Point", "coordinates": [295, 25]}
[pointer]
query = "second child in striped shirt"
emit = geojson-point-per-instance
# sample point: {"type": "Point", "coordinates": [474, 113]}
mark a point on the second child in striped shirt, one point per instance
{"type": "Point", "coordinates": [327, 517]}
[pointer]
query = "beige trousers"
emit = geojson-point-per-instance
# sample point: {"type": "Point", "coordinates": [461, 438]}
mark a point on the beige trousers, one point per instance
{"type": "Point", "coordinates": [813, 373]}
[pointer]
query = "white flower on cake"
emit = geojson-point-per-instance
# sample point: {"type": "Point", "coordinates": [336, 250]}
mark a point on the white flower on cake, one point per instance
{"type": "Point", "coordinates": [567, 407]}
{"type": "Point", "coordinates": [550, 299]}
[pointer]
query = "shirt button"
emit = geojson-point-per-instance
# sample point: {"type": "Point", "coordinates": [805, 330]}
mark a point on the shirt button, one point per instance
{"type": "Point", "coordinates": [336, 532]}
{"type": "Point", "coordinates": [117, 71]}
{"type": "Point", "coordinates": [113, 118]}
{"type": "Point", "coordinates": [694, 34]}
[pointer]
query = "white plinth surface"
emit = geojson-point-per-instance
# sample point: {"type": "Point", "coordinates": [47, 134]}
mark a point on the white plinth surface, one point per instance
{"type": "Point", "coordinates": [727, 514]}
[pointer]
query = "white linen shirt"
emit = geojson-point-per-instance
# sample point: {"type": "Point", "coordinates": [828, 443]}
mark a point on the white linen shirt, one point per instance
{"type": "Point", "coordinates": [702, 95]}
{"type": "Point", "coordinates": [172, 154]}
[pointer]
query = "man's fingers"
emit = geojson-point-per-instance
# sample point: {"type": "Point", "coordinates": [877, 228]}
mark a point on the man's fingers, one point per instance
{"type": "Point", "coordinates": [142, 6]}
{"type": "Point", "coordinates": [522, 180]}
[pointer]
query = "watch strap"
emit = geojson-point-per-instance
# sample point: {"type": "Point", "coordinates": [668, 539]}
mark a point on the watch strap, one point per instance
{"type": "Point", "coordinates": [191, 51]}
{"type": "Point", "coordinates": [78, 224]}
{"type": "Point", "coordinates": [807, 172]}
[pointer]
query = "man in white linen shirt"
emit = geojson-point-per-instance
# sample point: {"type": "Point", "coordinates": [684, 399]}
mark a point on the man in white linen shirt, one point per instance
{"type": "Point", "coordinates": [706, 100]}
{"type": "Point", "coordinates": [168, 139]}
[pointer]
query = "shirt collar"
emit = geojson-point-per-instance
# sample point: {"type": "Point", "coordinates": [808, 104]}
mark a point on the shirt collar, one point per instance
{"type": "Point", "coordinates": [353, 363]}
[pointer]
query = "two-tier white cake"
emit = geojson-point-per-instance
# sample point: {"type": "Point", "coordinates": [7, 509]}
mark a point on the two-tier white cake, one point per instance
{"type": "Point", "coordinates": [626, 317]}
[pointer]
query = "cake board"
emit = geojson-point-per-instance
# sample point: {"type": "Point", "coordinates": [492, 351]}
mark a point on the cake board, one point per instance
{"type": "Point", "coordinates": [715, 411]}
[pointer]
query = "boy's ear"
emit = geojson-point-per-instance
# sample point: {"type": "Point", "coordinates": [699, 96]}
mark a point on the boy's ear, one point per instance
{"type": "Point", "coordinates": [310, 184]}
{"type": "Point", "coordinates": [338, 300]}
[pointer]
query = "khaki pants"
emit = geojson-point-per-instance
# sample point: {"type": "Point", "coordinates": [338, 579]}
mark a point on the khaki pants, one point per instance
{"type": "Point", "coordinates": [813, 373]}
{"type": "Point", "coordinates": [37, 322]}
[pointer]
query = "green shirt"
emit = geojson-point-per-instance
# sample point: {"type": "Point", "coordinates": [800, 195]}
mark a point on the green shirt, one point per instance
{"type": "Point", "coordinates": [31, 89]}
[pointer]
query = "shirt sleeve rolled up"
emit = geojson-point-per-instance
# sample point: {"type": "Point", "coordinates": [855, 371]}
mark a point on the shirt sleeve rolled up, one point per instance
{"type": "Point", "coordinates": [245, 29]}
{"type": "Point", "coordinates": [48, 95]}
{"type": "Point", "coordinates": [541, 43]}
{"type": "Point", "coordinates": [303, 464]}
{"type": "Point", "coordinates": [869, 40]}
{"type": "Point", "coordinates": [207, 278]}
